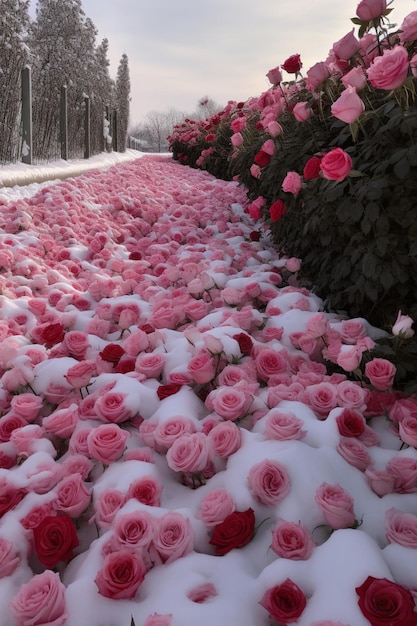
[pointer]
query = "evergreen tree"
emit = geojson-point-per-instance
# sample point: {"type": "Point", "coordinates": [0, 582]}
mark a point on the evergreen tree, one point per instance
{"type": "Point", "coordinates": [122, 102]}
{"type": "Point", "coordinates": [14, 55]}
{"type": "Point", "coordinates": [101, 93]}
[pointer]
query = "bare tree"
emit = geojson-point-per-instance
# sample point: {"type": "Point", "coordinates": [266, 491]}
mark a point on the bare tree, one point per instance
{"type": "Point", "coordinates": [155, 128]}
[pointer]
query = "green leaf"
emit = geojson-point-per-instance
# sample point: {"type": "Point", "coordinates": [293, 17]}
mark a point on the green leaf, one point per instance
{"type": "Point", "coordinates": [356, 174]}
{"type": "Point", "coordinates": [402, 168]}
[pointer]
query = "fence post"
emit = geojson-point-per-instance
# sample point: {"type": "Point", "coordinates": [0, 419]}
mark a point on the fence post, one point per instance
{"type": "Point", "coordinates": [87, 142]}
{"type": "Point", "coordinates": [114, 132]}
{"type": "Point", "coordinates": [63, 121]}
{"type": "Point", "coordinates": [26, 81]}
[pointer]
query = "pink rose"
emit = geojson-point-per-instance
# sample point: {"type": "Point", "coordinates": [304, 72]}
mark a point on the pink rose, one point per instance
{"type": "Point", "coordinates": [350, 423]}
{"type": "Point", "coordinates": [401, 528]}
{"type": "Point", "coordinates": [285, 602]}
{"type": "Point", "coordinates": [403, 325]}
{"type": "Point", "coordinates": [231, 403]}
{"type": "Point", "coordinates": [270, 362]}
{"type": "Point", "coordinates": [111, 407]}
{"type": "Point", "coordinates": [157, 619]}
{"type": "Point", "coordinates": [226, 438]}
{"type": "Point", "coordinates": [389, 70]}
{"type": "Point", "coordinates": [349, 106]}
{"type": "Point", "coordinates": [322, 397]}
{"type": "Point", "coordinates": [269, 482]}
{"type": "Point", "coordinates": [336, 505]}
{"type": "Point", "coordinates": [274, 76]}
{"type": "Point", "coordinates": [202, 367]}
{"type": "Point", "coordinates": [381, 482]}
{"type": "Point", "coordinates": [62, 422]}
{"type": "Point", "coordinates": [336, 164]}
{"type": "Point", "coordinates": [282, 426]}
{"type": "Point", "coordinates": [215, 507]}
{"type": "Point", "coordinates": [202, 593]}
{"type": "Point", "coordinates": [78, 441]}
{"type": "Point", "coordinates": [72, 495]}
{"type": "Point", "coordinates": [356, 78]}
{"type": "Point", "coordinates": [351, 395]}
{"type": "Point", "coordinates": [302, 112]}
{"type": "Point", "coordinates": [132, 531]}
{"type": "Point", "coordinates": [77, 464]}
{"type": "Point", "coordinates": [291, 541]}
{"type": "Point", "coordinates": [9, 558]}
{"type": "Point", "coordinates": [109, 502]}
{"type": "Point", "coordinates": [172, 538]}
{"type": "Point", "coordinates": [316, 75]}
{"type": "Point", "coordinates": [27, 405]}
{"type": "Point", "coordinates": [106, 443]}
{"type": "Point", "coordinates": [349, 357]}
{"type": "Point", "coordinates": [355, 453]}
{"type": "Point", "coordinates": [120, 575]}
{"type": "Point", "coordinates": [346, 47]}
{"type": "Point", "coordinates": [404, 470]}
{"type": "Point", "coordinates": [190, 453]}
{"type": "Point", "coordinates": [170, 430]}
{"type": "Point", "coordinates": [40, 602]}
{"type": "Point", "coordinates": [80, 375]}
{"type": "Point", "coordinates": [408, 29]}
{"type": "Point", "coordinates": [292, 183]}
{"type": "Point", "coordinates": [381, 373]}
{"type": "Point", "coordinates": [146, 489]}
{"type": "Point", "coordinates": [76, 344]}
{"type": "Point", "coordinates": [9, 423]}
{"type": "Point", "coordinates": [151, 365]}
{"type": "Point", "coordinates": [371, 9]}
{"type": "Point", "coordinates": [407, 430]}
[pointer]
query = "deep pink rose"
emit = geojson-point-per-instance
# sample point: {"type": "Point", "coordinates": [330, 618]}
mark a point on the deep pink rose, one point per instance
{"type": "Point", "coordinates": [121, 575]}
{"type": "Point", "coordinates": [350, 423]}
{"type": "Point", "coordinates": [389, 70]}
{"type": "Point", "coordinates": [172, 538]}
{"type": "Point", "coordinates": [235, 531]}
{"type": "Point", "coordinates": [106, 443]}
{"type": "Point", "coordinates": [336, 164]}
{"type": "Point", "coordinates": [312, 168]}
{"type": "Point", "coordinates": [292, 183]}
{"type": "Point", "coordinates": [407, 430]}
{"type": "Point", "coordinates": [291, 541]}
{"type": "Point", "coordinates": [55, 540]}
{"type": "Point", "coordinates": [216, 506]}
{"type": "Point", "coordinates": [371, 9]}
{"type": "Point", "coordinates": [336, 505]}
{"type": "Point", "coordinates": [381, 373]}
{"type": "Point", "coordinates": [72, 495]}
{"type": "Point", "coordinates": [384, 603]}
{"type": "Point", "coordinates": [147, 490]}
{"type": "Point", "coordinates": [277, 210]}
{"type": "Point", "coordinates": [349, 106]}
{"type": "Point", "coordinates": [269, 482]}
{"type": "Point", "coordinates": [40, 602]}
{"type": "Point", "coordinates": [285, 602]}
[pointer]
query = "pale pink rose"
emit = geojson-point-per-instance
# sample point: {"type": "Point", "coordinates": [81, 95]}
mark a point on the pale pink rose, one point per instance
{"type": "Point", "coordinates": [106, 443]}
{"type": "Point", "coordinates": [109, 502]}
{"type": "Point", "coordinates": [226, 438]}
{"type": "Point", "coordinates": [111, 407]}
{"type": "Point", "coordinates": [120, 575]}
{"type": "Point", "coordinates": [302, 112]}
{"type": "Point", "coordinates": [408, 28]}
{"type": "Point", "coordinates": [316, 75]}
{"type": "Point", "coordinates": [268, 147]}
{"type": "Point", "coordinates": [202, 593]}
{"type": "Point", "coordinates": [356, 78]}
{"type": "Point", "coordinates": [128, 317]}
{"type": "Point", "coordinates": [62, 422]}
{"type": "Point", "coordinates": [404, 470]}
{"type": "Point", "coordinates": [72, 495]}
{"type": "Point", "coordinates": [170, 430]}
{"type": "Point", "coordinates": [355, 453]}
{"type": "Point", "coordinates": [401, 408]}
{"type": "Point", "coordinates": [135, 343]}
{"type": "Point", "coordinates": [370, 437]}
{"type": "Point", "coordinates": [403, 324]}
{"type": "Point", "coordinates": [139, 454]}
{"type": "Point", "coordinates": [147, 490]}
{"type": "Point", "coordinates": [407, 430]}
{"type": "Point", "coordinates": [371, 9]}
{"type": "Point", "coordinates": [37, 514]}
{"type": "Point", "coordinates": [318, 325]}
{"type": "Point", "coordinates": [213, 345]}
{"type": "Point", "coordinates": [274, 76]}
{"type": "Point", "coordinates": [381, 482]}
{"type": "Point", "coordinates": [255, 170]}
{"type": "Point", "coordinates": [269, 362]}
{"type": "Point", "coordinates": [215, 507]}
{"type": "Point", "coordinates": [80, 375]}
{"type": "Point", "coordinates": [283, 392]}
{"type": "Point", "coordinates": [322, 397]}
{"type": "Point", "coordinates": [389, 70]}
{"type": "Point", "coordinates": [236, 139]}
{"type": "Point", "coordinates": [78, 441]}
{"type": "Point", "coordinates": [230, 295]}
{"type": "Point", "coordinates": [196, 310]}
{"type": "Point", "coordinates": [269, 482]}
{"type": "Point", "coordinates": [351, 395]}
{"type": "Point", "coordinates": [172, 538]}
{"type": "Point", "coordinates": [76, 344]}
{"type": "Point", "coordinates": [27, 405]}
{"type": "Point", "coordinates": [190, 453]}
{"type": "Point", "coordinates": [9, 558]}
{"type": "Point", "coordinates": [77, 464]}
{"type": "Point", "coordinates": [381, 373]}
{"type": "Point", "coordinates": [132, 531]}
{"type": "Point", "coordinates": [401, 528]}
{"type": "Point", "coordinates": [231, 403]}
{"type": "Point", "coordinates": [336, 505]}
{"type": "Point", "coordinates": [349, 106]}
{"type": "Point", "coordinates": [346, 47]}
{"type": "Point", "coordinates": [291, 541]}
{"type": "Point", "coordinates": [293, 264]}
{"type": "Point", "coordinates": [150, 364]}
{"type": "Point", "coordinates": [157, 619]}
{"type": "Point", "coordinates": [20, 375]}
{"type": "Point", "coordinates": [40, 602]}
{"type": "Point", "coordinates": [231, 375]}
{"type": "Point", "coordinates": [202, 367]}
{"type": "Point", "coordinates": [45, 477]}
{"type": "Point", "coordinates": [336, 164]}
{"type": "Point", "coordinates": [292, 183]}
{"type": "Point", "coordinates": [282, 426]}
{"type": "Point", "coordinates": [327, 622]}
{"type": "Point", "coordinates": [349, 357]}
{"type": "Point", "coordinates": [274, 128]}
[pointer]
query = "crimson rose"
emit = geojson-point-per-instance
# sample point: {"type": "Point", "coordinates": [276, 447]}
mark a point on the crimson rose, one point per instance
{"type": "Point", "coordinates": [385, 603]}
{"type": "Point", "coordinates": [55, 539]}
{"type": "Point", "coordinates": [164, 391]}
{"type": "Point", "coordinates": [293, 64]}
{"type": "Point", "coordinates": [284, 602]}
{"type": "Point", "coordinates": [112, 353]}
{"type": "Point", "coordinates": [245, 343]}
{"type": "Point", "coordinates": [235, 531]}
{"type": "Point", "coordinates": [51, 334]}
{"type": "Point", "coordinates": [312, 168]}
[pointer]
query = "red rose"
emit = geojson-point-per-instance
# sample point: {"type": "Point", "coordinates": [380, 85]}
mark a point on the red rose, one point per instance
{"type": "Point", "coordinates": [255, 235]}
{"type": "Point", "coordinates": [112, 353]}
{"type": "Point", "coordinates": [277, 210]}
{"type": "Point", "coordinates": [55, 539]}
{"type": "Point", "coordinates": [385, 603]}
{"type": "Point", "coordinates": [124, 366]}
{"type": "Point", "coordinates": [284, 602]}
{"type": "Point", "coordinates": [135, 256]}
{"type": "Point", "coordinates": [312, 168]}
{"type": "Point", "coordinates": [51, 334]}
{"type": "Point", "coordinates": [262, 159]}
{"type": "Point", "coordinates": [164, 391]}
{"type": "Point", "coordinates": [350, 423]}
{"type": "Point", "coordinates": [236, 530]}
{"type": "Point", "coordinates": [10, 497]}
{"type": "Point", "coordinates": [293, 64]}
{"type": "Point", "coordinates": [245, 343]}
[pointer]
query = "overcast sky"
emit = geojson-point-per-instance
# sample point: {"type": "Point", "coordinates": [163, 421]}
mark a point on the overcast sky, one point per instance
{"type": "Point", "coordinates": [181, 50]}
